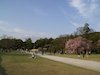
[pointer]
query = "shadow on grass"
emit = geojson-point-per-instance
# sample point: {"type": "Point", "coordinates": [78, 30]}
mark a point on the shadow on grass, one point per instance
{"type": "Point", "coordinates": [2, 70]}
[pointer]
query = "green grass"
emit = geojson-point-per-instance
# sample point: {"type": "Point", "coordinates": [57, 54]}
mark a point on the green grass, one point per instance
{"type": "Point", "coordinates": [93, 57]}
{"type": "Point", "coordinates": [16, 63]}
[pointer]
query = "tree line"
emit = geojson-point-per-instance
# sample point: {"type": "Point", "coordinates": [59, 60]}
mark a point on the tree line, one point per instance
{"type": "Point", "coordinates": [9, 43]}
{"type": "Point", "coordinates": [84, 38]}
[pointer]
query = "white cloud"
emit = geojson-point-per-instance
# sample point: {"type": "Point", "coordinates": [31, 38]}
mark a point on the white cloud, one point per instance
{"type": "Point", "coordinates": [27, 33]}
{"type": "Point", "coordinates": [86, 9]}
{"type": "Point", "coordinates": [75, 24]}
{"type": "Point", "coordinates": [17, 30]}
{"type": "Point", "coordinates": [20, 33]}
{"type": "Point", "coordinates": [4, 29]}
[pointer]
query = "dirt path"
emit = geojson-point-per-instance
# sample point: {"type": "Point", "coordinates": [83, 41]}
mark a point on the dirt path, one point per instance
{"type": "Point", "coordinates": [92, 65]}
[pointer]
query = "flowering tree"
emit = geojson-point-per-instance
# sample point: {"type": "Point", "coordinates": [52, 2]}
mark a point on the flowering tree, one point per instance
{"type": "Point", "coordinates": [78, 44]}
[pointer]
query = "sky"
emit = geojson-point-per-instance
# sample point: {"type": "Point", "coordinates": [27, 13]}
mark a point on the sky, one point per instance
{"type": "Point", "coordinates": [47, 18]}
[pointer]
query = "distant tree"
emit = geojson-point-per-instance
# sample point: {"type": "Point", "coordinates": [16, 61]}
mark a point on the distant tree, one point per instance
{"type": "Point", "coordinates": [79, 31]}
{"type": "Point", "coordinates": [78, 44]}
{"type": "Point", "coordinates": [3, 36]}
{"type": "Point", "coordinates": [40, 43]}
{"type": "Point", "coordinates": [28, 44]}
{"type": "Point", "coordinates": [84, 30]}
{"type": "Point", "coordinates": [18, 43]}
{"type": "Point", "coordinates": [7, 44]}
{"type": "Point", "coordinates": [57, 44]}
{"type": "Point", "coordinates": [43, 42]}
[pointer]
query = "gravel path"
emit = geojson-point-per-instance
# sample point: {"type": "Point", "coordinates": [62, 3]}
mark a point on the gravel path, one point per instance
{"type": "Point", "coordinates": [92, 65]}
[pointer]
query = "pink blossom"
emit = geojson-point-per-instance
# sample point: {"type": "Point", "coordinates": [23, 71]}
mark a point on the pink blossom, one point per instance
{"type": "Point", "coordinates": [78, 44]}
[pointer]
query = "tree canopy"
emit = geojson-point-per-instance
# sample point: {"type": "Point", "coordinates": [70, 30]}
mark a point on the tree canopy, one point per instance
{"type": "Point", "coordinates": [57, 44]}
{"type": "Point", "coordinates": [78, 44]}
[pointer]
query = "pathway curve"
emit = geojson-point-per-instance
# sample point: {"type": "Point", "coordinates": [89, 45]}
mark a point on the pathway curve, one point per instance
{"type": "Point", "coordinates": [92, 65]}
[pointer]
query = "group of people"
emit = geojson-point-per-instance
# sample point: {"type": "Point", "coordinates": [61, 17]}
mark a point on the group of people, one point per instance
{"type": "Point", "coordinates": [83, 53]}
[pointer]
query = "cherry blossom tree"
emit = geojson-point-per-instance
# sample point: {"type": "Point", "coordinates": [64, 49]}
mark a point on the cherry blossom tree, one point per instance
{"type": "Point", "coordinates": [78, 45]}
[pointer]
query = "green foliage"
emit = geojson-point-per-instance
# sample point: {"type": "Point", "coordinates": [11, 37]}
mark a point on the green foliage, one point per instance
{"type": "Point", "coordinates": [84, 30]}
{"type": "Point", "coordinates": [28, 44]}
{"type": "Point", "coordinates": [10, 43]}
{"type": "Point", "coordinates": [7, 43]}
{"type": "Point", "coordinates": [57, 44]}
{"type": "Point", "coordinates": [43, 42]}
{"type": "Point", "coordinates": [94, 37]}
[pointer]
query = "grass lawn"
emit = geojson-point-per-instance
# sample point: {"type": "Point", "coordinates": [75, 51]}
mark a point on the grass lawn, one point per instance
{"type": "Point", "coordinates": [93, 57]}
{"type": "Point", "coordinates": [16, 63]}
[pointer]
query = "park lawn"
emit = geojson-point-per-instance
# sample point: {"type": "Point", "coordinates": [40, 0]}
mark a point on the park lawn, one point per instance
{"type": "Point", "coordinates": [16, 63]}
{"type": "Point", "coordinates": [92, 57]}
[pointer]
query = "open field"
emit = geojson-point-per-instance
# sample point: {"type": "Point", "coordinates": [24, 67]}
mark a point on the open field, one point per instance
{"type": "Point", "coordinates": [93, 57]}
{"type": "Point", "coordinates": [16, 63]}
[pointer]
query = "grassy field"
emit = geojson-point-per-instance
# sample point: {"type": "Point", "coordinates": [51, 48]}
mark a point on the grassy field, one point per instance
{"type": "Point", "coordinates": [16, 63]}
{"type": "Point", "coordinates": [93, 57]}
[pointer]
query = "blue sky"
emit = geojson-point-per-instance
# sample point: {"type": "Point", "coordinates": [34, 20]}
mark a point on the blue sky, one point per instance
{"type": "Point", "coordinates": [47, 18]}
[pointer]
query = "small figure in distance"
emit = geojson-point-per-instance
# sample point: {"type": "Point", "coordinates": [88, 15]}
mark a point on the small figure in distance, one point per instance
{"type": "Point", "coordinates": [78, 54]}
{"type": "Point", "coordinates": [42, 51]}
{"type": "Point", "coordinates": [33, 56]}
{"type": "Point", "coordinates": [83, 52]}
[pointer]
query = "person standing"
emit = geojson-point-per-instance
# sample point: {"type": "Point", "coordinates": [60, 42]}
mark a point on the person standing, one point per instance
{"type": "Point", "coordinates": [83, 52]}
{"type": "Point", "coordinates": [42, 51]}
{"type": "Point", "coordinates": [33, 55]}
